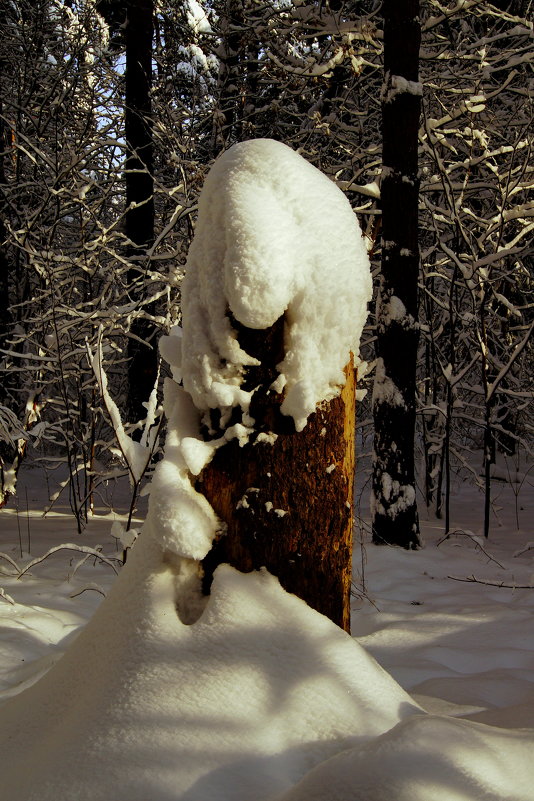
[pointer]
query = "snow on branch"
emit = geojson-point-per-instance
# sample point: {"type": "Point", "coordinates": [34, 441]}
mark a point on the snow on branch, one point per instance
{"type": "Point", "coordinates": [395, 85]}
{"type": "Point", "coordinates": [520, 346]}
{"type": "Point", "coordinates": [312, 68]}
{"type": "Point", "coordinates": [10, 560]}
{"type": "Point", "coordinates": [6, 597]}
{"type": "Point", "coordinates": [478, 541]}
{"type": "Point", "coordinates": [137, 455]}
{"type": "Point", "coordinates": [11, 430]}
{"type": "Point", "coordinates": [446, 13]}
{"type": "Point", "coordinates": [69, 546]}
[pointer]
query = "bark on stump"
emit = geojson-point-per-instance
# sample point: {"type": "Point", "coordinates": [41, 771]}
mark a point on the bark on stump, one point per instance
{"type": "Point", "coordinates": [288, 506]}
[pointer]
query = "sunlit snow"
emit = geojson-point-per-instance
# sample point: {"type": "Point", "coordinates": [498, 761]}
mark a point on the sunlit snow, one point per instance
{"type": "Point", "coordinates": [261, 697]}
{"type": "Point", "coordinates": [274, 236]}
{"type": "Point", "coordinates": [167, 695]}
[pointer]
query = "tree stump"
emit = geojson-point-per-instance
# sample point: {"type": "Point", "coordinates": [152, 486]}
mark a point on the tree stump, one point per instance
{"type": "Point", "coordinates": [286, 497]}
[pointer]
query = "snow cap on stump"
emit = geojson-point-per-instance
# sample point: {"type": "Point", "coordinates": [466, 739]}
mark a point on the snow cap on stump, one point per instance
{"type": "Point", "coordinates": [274, 237]}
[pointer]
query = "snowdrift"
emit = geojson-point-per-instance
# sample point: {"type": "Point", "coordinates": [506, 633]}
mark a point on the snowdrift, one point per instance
{"type": "Point", "coordinates": [239, 704]}
{"type": "Point", "coordinates": [255, 696]}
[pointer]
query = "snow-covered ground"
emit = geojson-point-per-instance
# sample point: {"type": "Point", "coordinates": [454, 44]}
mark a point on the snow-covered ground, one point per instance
{"type": "Point", "coordinates": [158, 693]}
{"type": "Point", "coordinates": [462, 650]}
{"type": "Point", "coordinates": [44, 609]}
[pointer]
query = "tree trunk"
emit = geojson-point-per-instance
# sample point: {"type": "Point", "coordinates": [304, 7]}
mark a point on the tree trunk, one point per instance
{"type": "Point", "coordinates": [9, 380]}
{"type": "Point", "coordinates": [287, 503]}
{"type": "Point", "coordinates": [139, 196]}
{"type": "Point", "coordinates": [394, 511]}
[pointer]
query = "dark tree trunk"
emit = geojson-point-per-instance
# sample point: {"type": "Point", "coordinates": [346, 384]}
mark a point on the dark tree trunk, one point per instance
{"type": "Point", "coordinates": [395, 518]}
{"type": "Point", "coordinates": [287, 504]}
{"type": "Point", "coordinates": [237, 91]}
{"type": "Point", "coordinates": [8, 378]}
{"type": "Point", "coordinates": [139, 196]}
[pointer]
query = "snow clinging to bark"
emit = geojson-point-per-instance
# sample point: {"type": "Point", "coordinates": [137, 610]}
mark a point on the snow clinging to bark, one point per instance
{"type": "Point", "coordinates": [274, 237]}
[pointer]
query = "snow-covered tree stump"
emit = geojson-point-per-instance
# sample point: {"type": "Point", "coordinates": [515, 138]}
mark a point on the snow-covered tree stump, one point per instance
{"type": "Point", "coordinates": [260, 449]}
{"type": "Point", "coordinates": [286, 497]}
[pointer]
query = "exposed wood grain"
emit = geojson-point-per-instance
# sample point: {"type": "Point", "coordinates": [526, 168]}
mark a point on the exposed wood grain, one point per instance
{"type": "Point", "coordinates": [288, 505]}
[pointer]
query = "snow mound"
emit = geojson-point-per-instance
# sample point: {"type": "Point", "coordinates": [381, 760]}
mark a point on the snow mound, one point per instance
{"type": "Point", "coordinates": [427, 758]}
{"type": "Point", "coordinates": [274, 236]}
{"type": "Point", "coordinates": [250, 694]}
{"type": "Point", "coordinates": [168, 695]}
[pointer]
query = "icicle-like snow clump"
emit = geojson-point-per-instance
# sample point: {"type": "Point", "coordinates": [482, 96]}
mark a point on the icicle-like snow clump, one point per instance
{"type": "Point", "coordinates": [274, 236]}
{"type": "Point", "coordinates": [181, 519]}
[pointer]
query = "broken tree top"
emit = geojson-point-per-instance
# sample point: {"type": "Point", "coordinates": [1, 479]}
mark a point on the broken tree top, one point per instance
{"type": "Point", "coordinates": [274, 237]}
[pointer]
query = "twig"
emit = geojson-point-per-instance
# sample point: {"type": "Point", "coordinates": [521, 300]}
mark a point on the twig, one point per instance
{"type": "Point", "coordinates": [528, 547]}
{"type": "Point", "coordinates": [474, 580]}
{"type": "Point", "coordinates": [473, 538]}
{"type": "Point", "coordinates": [358, 592]}
{"type": "Point", "coordinates": [81, 562]}
{"type": "Point", "coordinates": [6, 597]}
{"type": "Point", "coordinates": [28, 519]}
{"type": "Point", "coordinates": [18, 526]}
{"type": "Point", "coordinates": [85, 589]}
{"type": "Point", "coordinates": [10, 560]}
{"type": "Point", "coordinates": [108, 560]}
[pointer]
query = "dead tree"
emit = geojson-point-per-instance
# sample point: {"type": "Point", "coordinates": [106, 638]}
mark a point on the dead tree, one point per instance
{"type": "Point", "coordinates": [287, 499]}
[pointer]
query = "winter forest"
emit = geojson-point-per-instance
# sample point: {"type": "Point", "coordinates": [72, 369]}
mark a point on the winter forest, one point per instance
{"type": "Point", "coordinates": [216, 216]}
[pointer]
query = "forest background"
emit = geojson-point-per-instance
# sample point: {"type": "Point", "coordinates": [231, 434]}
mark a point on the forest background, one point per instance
{"type": "Point", "coordinates": [112, 113]}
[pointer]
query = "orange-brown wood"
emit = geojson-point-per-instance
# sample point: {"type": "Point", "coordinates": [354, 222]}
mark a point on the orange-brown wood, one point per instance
{"type": "Point", "coordinates": [288, 505]}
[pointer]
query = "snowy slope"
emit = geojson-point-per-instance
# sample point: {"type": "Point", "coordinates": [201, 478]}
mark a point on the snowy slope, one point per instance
{"type": "Point", "coordinates": [247, 700]}
{"type": "Point", "coordinates": [239, 704]}
{"type": "Point", "coordinates": [244, 702]}
{"type": "Point", "coordinates": [461, 647]}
